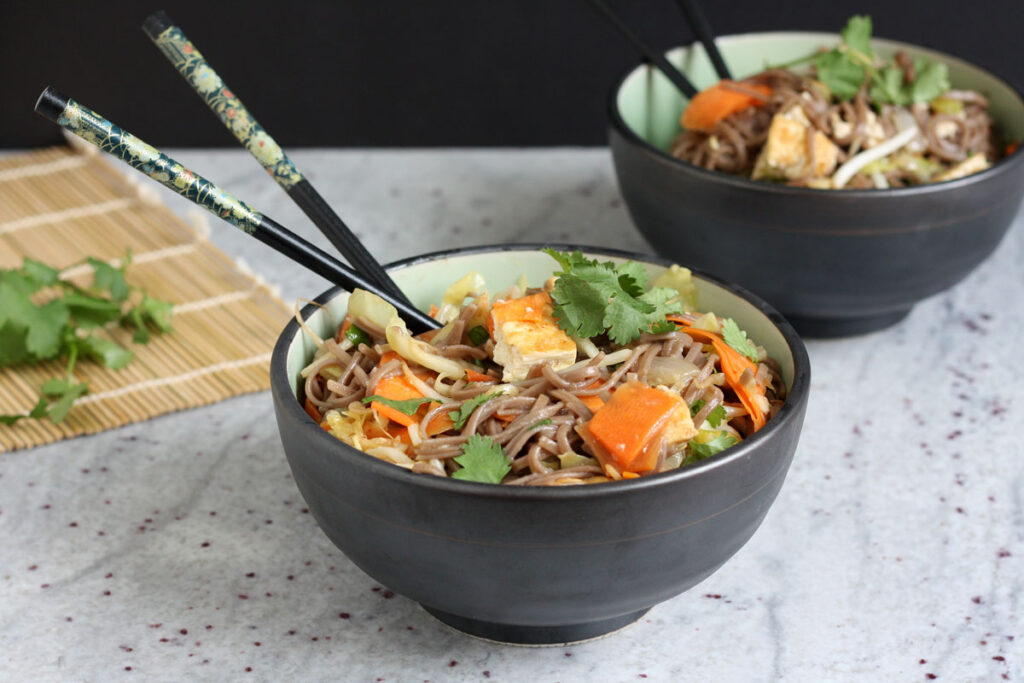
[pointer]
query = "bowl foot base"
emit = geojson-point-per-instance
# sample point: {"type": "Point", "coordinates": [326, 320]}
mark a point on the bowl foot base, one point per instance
{"type": "Point", "coordinates": [822, 328]}
{"type": "Point", "coordinates": [535, 635]}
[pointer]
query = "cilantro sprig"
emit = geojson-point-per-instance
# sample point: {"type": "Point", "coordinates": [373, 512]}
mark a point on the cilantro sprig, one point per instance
{"type": "Point", "coordinates": [467, 408]}
{"type": "Point", "coordinates": [737, 339]}
{"type": "Point", "coordinates": [592, 298]}
{"type": "Point", "coordinates": [44, 317]}
{"type": "Point", "coordinates": [482, 460]}
{"type": "Point", "coordinates": [852, 63]}
{"type": "Point", "coordinates": [719, 441]}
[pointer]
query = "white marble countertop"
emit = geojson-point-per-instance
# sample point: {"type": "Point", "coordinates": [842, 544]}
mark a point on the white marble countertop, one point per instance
{"type": "Point", "coordinates": [179, 549]}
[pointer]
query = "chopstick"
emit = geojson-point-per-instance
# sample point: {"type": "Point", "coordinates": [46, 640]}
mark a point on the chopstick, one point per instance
{"type": "Point", "coordinates": [699, 23]}
{"type": "Point", "coordinates": [184, 56]}
{"type": "Point", "coordinates": [109, 137]}
{"type": "Point", "coordinates": [670, 72]}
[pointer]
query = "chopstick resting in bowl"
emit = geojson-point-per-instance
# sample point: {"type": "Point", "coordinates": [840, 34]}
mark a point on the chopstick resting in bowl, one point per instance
{"type": "Point", "coordinates": [182, 53]}
{"type": "Point", "coordinates": [109, 137]}
{"type": "Point", "coordinates": [671, 73]}
{"type": "Point", "coordinates": [699, 23]}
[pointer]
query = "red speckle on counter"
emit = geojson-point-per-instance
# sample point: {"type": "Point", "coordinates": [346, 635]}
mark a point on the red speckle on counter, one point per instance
{"type": "Point", "coordinates": [155, 625]}
{"type": "Point", "coordinates": [453, 663]}
{"type": "Point", "coordinates": [213, 513]}
{"type": "Point", "coordinates": [47, 506]}
{"type": "Point", "coordinates": [923, 661]}
{"type": "Point", "coordinates": [344, 615]}
{"type": "Point", "coordinates": [1003, 552]}
{"type": "Point", "coordinates": [257, 643]}
{"type": "Point", "coordinates": [183, 631]}
{"type": "Point", "coordinates": [291, 633]}
{"type": "Point", "coordinates": [250, 575]}
{"type": "Point", "coordinates": [290, 577]}
{"type": "Point", "coordinates": [204, 544]}
{"type": "Point", "coordinates": [165, 640]}
{"type": "Point", "coordinates": [568, 654]}
{"type": "Point", "coordinates": [109, 575]}
{"type": "Point", "coordinates": [106, 593]}
{"type": "Point", "coordinates": [304, 511]}
{"type": "Point", "coordinates": [127, 668]}
{"type": "Point", "coordinates": [930, 677]}
{"type": "Point", "coordinates": [387, 595]}
{"type": "Point", "coordinates": [68, 619]}
{"type": "Point", "coordinates": [242, 596]}
{"type": "Point", "coordinates": [269, 521]}
{"type": "Point", "coordinates": [126, 648]}
{"type": "Point", "coordinates": [33, 567]}
{"type": "Point", "coordinates": [73, 524]}
{"type": "Point", "coordinates": [487, 674]}
{"type": "Point", "coordinates": [713, 596]}
{"type": "Point", "coordinates": [314, 639]}
{"type": "Point", "coordinates": [976, 599]}
{"type": "Point", "coordinates": [248, 668]}
{"type": "Point", "coordinates": [999, 658]}
{"type": "Point", "coordinates": [209, 627]}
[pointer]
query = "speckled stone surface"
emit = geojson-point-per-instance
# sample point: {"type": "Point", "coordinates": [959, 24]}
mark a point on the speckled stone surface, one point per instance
{"type": "Point", "coordinates": [180, 549]}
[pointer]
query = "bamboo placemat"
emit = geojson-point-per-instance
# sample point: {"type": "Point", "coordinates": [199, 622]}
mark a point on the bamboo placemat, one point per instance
{"type": "Point", "coordinates": [59, 205]}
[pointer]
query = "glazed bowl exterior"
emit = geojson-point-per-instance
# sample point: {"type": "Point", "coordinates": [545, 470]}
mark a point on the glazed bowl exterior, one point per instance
{"type": "Point", "coordinates": [536, 564]}
{"type": "Point", "coordinates": [835, 262]}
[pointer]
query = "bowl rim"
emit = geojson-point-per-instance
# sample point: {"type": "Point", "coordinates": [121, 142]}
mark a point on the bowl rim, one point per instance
{"type": "Point", "coordinates": [281, 386]}
{"type": "Point", "coordinates": [618, 124]}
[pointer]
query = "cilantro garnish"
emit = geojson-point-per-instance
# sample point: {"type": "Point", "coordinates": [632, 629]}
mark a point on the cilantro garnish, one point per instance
{"type": "Point", "coordinates": [482, 460]}
{"type": "Point", "coordinates": [478, 335]}
{"type": "Point", "coordinates": [407, 407]}
{"type": "Point", "coordinates": [847, 67]}
{"type": "Point", "coordinates": [63, 325]}
{"type": "Point", "coordinates": [737, 339]}
{"type": "Point", "coordinates": [538, 424]}
{"type": "Point", "coordinates": [460, 416]}
{"type": "Point", "coordinates": [593, 298]}
{"type": "Point", "coordinates": [714, 416]}
{"type": "Point", "coordinates": [706, 449]}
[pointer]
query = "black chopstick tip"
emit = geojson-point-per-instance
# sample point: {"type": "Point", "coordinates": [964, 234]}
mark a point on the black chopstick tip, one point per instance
{"type": "Point", "coordinates": [156, 23]}
{"type": "Point", "coordinates": [51, 104]}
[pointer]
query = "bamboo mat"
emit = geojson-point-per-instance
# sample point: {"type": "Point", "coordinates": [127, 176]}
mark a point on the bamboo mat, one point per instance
{"type": "Point", "coordinates": [61, 204]}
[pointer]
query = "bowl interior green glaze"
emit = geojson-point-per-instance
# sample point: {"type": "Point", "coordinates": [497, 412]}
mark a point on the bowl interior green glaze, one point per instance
{"type": "Point", "coordinates": [425, 282]}
{"type": "Point", "coordinates": [651, 106]}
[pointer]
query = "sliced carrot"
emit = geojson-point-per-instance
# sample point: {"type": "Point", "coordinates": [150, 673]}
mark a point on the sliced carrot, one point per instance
{"type": "Point", "coordinates": [433, 310]}
{"type": "Point", "coordinates": [395, 388]}
{"type": "Point", "coordinates": [441, 423]}
{"type": "Point", "coordinates": [474, 376]}
{"type": "Point", "coordinates": [345, 324]}
{"type": "Point", "coordinates": [595, 403]}
{"type": "Point", "coordinates": [713, 104]}
{"type": "Point", "coordinates": [733, 365]}
{"type": "Point", "coordinates": [324, 426]}
{"type": "Point", "coordinates": [630, 475]}
{"type": "Point", "coordinates": [313, 411]}
{"type": "Point", "coordinates": [1012, 147]}
{"type": "Point", "coordinates": [630, 421]}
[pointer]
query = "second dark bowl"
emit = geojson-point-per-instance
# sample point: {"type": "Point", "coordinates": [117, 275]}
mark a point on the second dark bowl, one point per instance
{"type": "Point", "coordinates": [835, 262]}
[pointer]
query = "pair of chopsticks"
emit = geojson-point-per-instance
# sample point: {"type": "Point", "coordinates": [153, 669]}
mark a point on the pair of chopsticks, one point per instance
{"type": "Point", "coordinates": [700, 26]}
{"type": "Point", "coordinates": [365, 273]}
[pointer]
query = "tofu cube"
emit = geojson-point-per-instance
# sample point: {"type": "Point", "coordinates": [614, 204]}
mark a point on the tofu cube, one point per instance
{"type": "Point", "coordinates": [526, 336]}
{"type": "Point", "coordinates": [786, 153]}
{"type": "Point", "coordinates": [972, 164]}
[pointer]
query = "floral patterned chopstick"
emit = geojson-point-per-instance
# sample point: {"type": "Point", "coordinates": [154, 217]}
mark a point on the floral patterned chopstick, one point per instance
{"type": "Point", "coordinates": [145, 158]}
{"type": "Point", "coordinates": [190, 63]}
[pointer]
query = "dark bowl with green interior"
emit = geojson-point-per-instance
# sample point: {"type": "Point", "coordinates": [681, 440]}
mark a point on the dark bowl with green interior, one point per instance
{"type": "Point", "coordinates": [536, 565]}
{"type": "Point", "coordinates": [835, 262]}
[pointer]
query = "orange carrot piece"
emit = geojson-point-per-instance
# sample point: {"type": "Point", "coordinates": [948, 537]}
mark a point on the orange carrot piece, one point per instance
{"type": "Point", "coordinates": [595, 403]}
{"type": "Point", "coordinates": [733, 364]}
{"type": "Point", "coordinates": [1011, 148]}
{"type": "Point", "coordinates": [433, 310]}
{"type": "Point", "coordinates": [441, 423]}
{"type": "Point", "coordinates": [630, 475]}
{"type": "Point", "coordinates": [474, 376]}
{"type": "Point", "coordinates": [396, 388]}
{"type": "Point", "coordinates": [633, 418]}
{"type": "Point", "coordinates": [713, 104]}
{"type": "Point", "coordinates": [313, 411]}
{"type": "Point", "coordinates": [324, 426]}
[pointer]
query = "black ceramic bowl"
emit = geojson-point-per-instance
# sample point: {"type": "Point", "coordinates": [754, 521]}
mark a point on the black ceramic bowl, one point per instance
{"type": "Point", "coordinates": [834, 262]}
{"type": "Point", "coordinates": [536, 564]}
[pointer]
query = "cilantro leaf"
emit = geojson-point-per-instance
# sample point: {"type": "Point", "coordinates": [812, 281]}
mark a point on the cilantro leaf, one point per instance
{"type": "Point", "coordinates": [696, 406]}
{"type": "Point", "coordinates": [594, 297]}
{"type": "Point", "coordinates": [91, 311]}
{"type": "Point", "coordinates": [932, 79]}
{"type": "Point", "coordinates": [107, 277]}
{"type": "Point", "coordinates": [857, 33]}
{"type": "Point", "coordinates": [59, 409]}
{"type": "Point", "coordinates": [716, 415]}
{"type": "Point", "coordinates": [887, 86]}
{"type": "Point", "coordinates": [482, 460]}
{"type": "Point", "coordinates": [467, 408]}
{"type": "Point", "coordinates": [45, 332]}
{"type": "Point", "coordinates": [538, 424]}
{"type": "Point", "coordinates": [40, 273]}
{"type": "Point", "coordinates": [737, 339]}
{"type": "Point", "coordinates": [842, 76]}
{"type": "Point", "coordinates": [109, 353]}
{"type": "Point", "coordinates": [407, 407]}
{"type": "Point", "coordinates": [713, 446]}
{"type": "Point", "coordinates": [149, 311]}
{"type": "Point", "coordinates": [13, 350]}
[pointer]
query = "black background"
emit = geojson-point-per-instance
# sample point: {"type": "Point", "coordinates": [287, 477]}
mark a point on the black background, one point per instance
{"type": "Point", "coordinates": [409, 73]}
